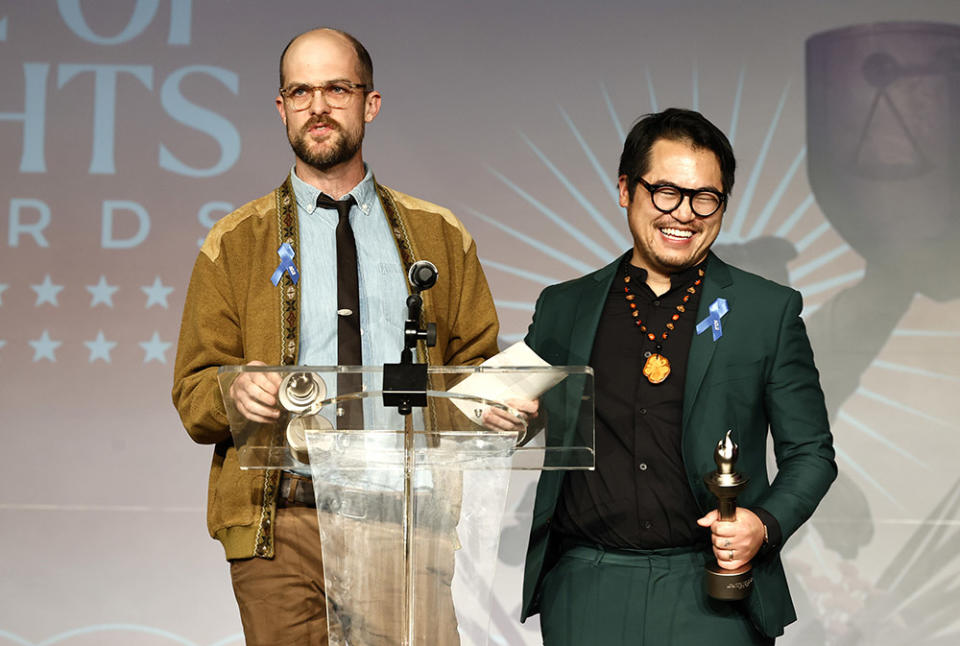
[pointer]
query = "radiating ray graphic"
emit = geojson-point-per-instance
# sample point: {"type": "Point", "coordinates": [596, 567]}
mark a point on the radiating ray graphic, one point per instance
{"type": "Point", "coordinates": [615, 236]}
{"type": "Point", "coordinates": [865, 475]}
{"type": "Point", "coordinates": [735, 114]}
{"type": "Point", "coordinates": [653, 95]}
{"type": "Point", "coordinates": [910, 370]}
{"type": "Point", "coordinates": [903, 407]}
{"type": "Point", "coordinates": [812, 237]}
{"type": "Point", "coordinates": [795, 217]}
{"type": "Point", "coordinates": [761, 222]}
{"type": "Point", "coordinates": [571, 230]}
{"type": "Point", "coordinates": [606, 179]}
{"type": "Point", "coordinates": [869, 432]}
{"type": "Point", "coordinates": [517, 271]}
{"type": "Point", "coordinates": [830, 283]}
{"type": "Point", "coordinates": [799, 272]}
{"type": "Point", "coordinates": [617, 124]}
{"type": "Point", "coordinates": [566, 259]}
{"type": "Point", "coordinates": [747, 198]}
{"type": "Point", "coordinates": [927, 551]}
{"type": "Point", "coordinates": [15, 638]}
{"type": "Point", "coordinates": [695, 94]}
{"type": "Point", "coordinates": [514, 305]}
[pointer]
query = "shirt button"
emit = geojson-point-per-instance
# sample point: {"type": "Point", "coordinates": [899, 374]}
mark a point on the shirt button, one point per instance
{"type": "Point", "coordinates": [657, 303]}
{"type": "Point", "coordinates": [643, 411]}
{"type": "Point", "coordinates": [646, 355]}
{"type": "Point", "coordinates": [643, 466]}
{"type": "Point", "coordinates": [647, 524]}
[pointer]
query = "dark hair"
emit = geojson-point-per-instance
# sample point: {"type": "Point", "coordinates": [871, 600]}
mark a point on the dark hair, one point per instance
{"type": "Point", "coordinates": [675, 124]}
{"type": "Point", "coordinates": [364, 62]}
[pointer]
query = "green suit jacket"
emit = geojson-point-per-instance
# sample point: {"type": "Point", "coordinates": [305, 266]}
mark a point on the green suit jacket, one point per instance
{"type": "Point", "coordinates": [758, 375]}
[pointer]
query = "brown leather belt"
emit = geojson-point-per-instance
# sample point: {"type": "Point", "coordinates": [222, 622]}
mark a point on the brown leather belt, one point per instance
{"type": "Point", "coordinates": [296, 491]}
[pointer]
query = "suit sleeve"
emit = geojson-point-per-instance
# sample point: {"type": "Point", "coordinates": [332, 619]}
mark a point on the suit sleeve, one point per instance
{"type": "Point", "coordinates": [802, 442]}
{"type": "Point", "coordinates": [531, 338]}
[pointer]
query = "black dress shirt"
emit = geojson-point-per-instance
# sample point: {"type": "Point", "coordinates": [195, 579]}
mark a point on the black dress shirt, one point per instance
{"type": "Point", "coordinates": [639, 496]}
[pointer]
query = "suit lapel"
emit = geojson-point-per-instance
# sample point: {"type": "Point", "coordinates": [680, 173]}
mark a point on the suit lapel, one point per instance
{"type": "Point", "coordinates": [586, 311]}
{"type": "Point", "coordinates": [716, 284]}
{"type": "Point", "coordinates": [589, 305]}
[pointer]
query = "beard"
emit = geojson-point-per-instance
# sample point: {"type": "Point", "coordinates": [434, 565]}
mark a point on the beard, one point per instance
{"type": "Point", "coordinates": [342, 145]}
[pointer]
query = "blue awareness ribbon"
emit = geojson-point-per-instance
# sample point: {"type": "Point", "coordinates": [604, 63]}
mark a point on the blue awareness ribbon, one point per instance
{"type": "Point", "coordinates": [718, 309]}
{"type": "Point", "coordinates": [286, 265]}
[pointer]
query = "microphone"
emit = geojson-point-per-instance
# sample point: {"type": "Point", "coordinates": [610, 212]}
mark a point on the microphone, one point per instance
{"type": "Point", "coordinates": [422, 275]}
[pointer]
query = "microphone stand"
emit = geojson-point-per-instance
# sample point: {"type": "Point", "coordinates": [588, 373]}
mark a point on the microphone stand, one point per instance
{"type": "Point", "coordinates": [405, 386]}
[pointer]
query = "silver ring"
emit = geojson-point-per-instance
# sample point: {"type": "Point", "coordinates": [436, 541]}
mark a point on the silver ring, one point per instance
{"type": "Point", "coordinates": [730, 556]}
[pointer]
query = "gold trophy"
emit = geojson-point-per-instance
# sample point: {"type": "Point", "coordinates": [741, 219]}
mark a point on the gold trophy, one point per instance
{"type": "Point", "coordinates": [725, 484]}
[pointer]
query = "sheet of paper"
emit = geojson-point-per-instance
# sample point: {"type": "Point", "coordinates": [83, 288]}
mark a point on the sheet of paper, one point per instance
{"type": "Point", "coordinates": [502, 386]}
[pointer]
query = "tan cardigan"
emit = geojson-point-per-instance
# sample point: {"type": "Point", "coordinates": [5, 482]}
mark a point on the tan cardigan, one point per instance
{"type": "Point", "coordinates": [234, 314]}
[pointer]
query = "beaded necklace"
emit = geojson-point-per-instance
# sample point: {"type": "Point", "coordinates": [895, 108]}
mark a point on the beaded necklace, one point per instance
{"type": "Point", "coordinates": [657, 367]}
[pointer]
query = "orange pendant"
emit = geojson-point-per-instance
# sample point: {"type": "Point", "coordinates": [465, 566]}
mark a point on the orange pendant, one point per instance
{"type": "Point", "coordinates": [656, 369]}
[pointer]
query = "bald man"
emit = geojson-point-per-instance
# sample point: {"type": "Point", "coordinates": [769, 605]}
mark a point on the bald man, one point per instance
{"type": "Point", "coordinates": [236, 314]}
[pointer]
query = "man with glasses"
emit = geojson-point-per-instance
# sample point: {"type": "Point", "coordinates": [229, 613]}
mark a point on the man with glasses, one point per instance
{"type": "Point", "coordinates": [684, 348]}
{"type": "Point", "coordinates": [314, 273]}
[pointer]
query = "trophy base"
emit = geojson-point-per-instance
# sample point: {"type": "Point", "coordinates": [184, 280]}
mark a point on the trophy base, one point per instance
{"type": "Point", "coordinates": [728, 585]}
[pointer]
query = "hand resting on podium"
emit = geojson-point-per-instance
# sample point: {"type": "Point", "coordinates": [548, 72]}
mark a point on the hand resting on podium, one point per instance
{"type": "Point", "coordinates": [497, 419]}
{"type": "Point", "coordinates": [255, 394]}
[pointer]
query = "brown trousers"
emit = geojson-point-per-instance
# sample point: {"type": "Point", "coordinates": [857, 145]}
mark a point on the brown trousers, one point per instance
{"type": "Point", "coordinates": [283, 602]}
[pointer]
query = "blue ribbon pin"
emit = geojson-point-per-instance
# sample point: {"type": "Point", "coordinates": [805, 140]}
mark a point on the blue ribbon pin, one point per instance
{"type": "Point", "coordinates": [286, 265]}
{"type": "Point", "coordinates": [718, 309]}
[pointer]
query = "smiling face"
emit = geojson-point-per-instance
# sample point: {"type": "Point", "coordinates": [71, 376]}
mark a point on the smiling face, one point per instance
{"type": "Point", "coordinates": [324, 138]}
{"type": "Point", "coordinates": [666, 243]}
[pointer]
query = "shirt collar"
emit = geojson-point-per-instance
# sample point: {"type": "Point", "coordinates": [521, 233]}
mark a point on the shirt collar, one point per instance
{"type": "Point", "coordinates": [364, 193]}
{"type": "Point", "coordinates": [679, 279]}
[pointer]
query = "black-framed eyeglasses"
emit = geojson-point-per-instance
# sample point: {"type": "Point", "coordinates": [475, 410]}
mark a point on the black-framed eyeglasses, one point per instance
{"type": "Point", "coordinates": [337, 94]}
{"type": "Point", "coordinates": [704, 202]}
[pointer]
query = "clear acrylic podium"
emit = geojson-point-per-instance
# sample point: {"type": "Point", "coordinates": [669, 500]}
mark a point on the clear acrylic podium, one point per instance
{"type": "Point", "coordinates": [406, 501]}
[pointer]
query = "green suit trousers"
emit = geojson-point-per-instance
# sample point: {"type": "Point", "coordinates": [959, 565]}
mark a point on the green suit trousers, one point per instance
{"type": "Point", "coordinates": [596, 597]}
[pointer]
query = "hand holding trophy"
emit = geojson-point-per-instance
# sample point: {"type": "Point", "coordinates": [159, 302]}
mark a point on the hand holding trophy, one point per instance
{"type": "Point", "coordinates": [725, 484]}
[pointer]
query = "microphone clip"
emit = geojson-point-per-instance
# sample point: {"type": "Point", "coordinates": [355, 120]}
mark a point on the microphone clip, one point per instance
{"type": "Point", "coordinates": [405, 383]}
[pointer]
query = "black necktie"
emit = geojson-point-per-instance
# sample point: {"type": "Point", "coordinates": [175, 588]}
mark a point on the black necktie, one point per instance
{"type": "Point", "coordinates": [349, 348]}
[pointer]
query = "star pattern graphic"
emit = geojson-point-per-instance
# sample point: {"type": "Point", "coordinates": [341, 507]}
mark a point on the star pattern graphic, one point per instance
{"type": "Point", "coordinates": [44, 348]}
{"type": "Point", "coordinates": [47, 292]}
{"type": "Point", "coordinates": [100, 348]}
{"type": "Point", "coordinates": [154, 349]}
{"type": "Point", "coordinates": [102, 293]}
{"type": "Point", "coordinates": [3, 288]}
{"type": "Point", "coordinates": [156, 293]}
